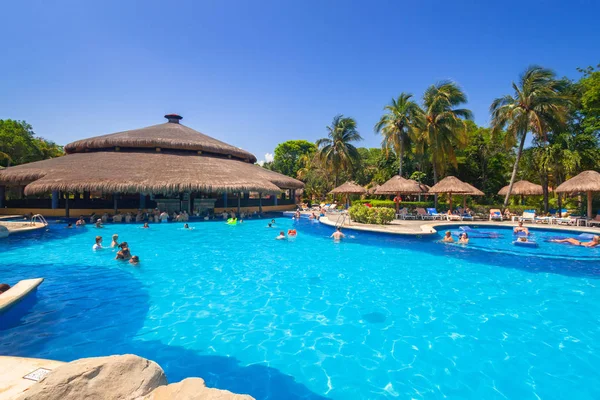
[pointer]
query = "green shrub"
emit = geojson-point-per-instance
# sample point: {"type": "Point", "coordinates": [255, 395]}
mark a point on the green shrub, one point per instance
{"type": "Point", "coordinates": [371, 215]}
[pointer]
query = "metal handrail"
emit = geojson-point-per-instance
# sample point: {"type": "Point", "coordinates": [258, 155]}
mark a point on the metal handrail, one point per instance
{"type": "Point", "coordinates": [40, 217]}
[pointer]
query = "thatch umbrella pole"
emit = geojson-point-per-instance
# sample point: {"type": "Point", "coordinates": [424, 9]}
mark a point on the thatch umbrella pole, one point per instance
{"type": "Point", "coordinates": [67, 205]}
{"type": "Point", "coordinates": [115, 202]}
{"type": "Point", "coordinates": [239, 195]}
{"type": "Point", "coordinates": [465, 202]}
{"type": "Point", "coordinates": [450, 201]}
{"type": "Point", "coordinates": [260, 203]}
{"type": "Point", "coordinates": [589, 204]}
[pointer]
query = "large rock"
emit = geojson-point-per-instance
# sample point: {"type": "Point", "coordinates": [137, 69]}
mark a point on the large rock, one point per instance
{"type": "Point", "coordinates": [102, 378]}
{"type": "Point", "coordinates": [193, 389]}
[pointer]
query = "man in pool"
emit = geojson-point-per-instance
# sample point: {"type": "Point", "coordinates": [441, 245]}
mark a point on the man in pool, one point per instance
{"type": "Point", "coordinates": [124, 253]}
{"type": "Point", "coordinates": [448, 237]}
{"type": "Point", "coordinates": [592, 243]}
{"type": "Point", "coordinates": [80, 221]}
{"type": "Point", "coordinates": [464, 238]}
{"type": "Point", "coordinates": [520, 228]}
{"type": "Point", "coordinates": [338, 235]}
{"type": "Point", "coordinates": [272, 222]}
{"type": "Point", "coordinates": [99, 223]}
{"type": "Point", "coordinates": [281, 236]}
{"type": "Point", "coordinates": [134, 260]}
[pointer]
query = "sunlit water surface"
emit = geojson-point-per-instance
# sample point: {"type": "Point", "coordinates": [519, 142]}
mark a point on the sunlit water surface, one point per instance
{"type": "Point", "coordinates": [372, 317]}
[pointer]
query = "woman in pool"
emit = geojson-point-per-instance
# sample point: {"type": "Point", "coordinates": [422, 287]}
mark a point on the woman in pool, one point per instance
{"type": "Point", "coordinates": [272, 222]}
{"type": "Point", "coordinates": [114, 242]}
{"type": "Point", "coordinates": [464, 238]}
{"type": "Point", "coordinates": [98, 245]}
{"type": "Point", "coordinates": [146, 226]}
{"type": "Point", "coordinates": [592, 243]}
{"type": "Point", "coordinates": [135, 260]}
{"type": "Point", "coordinates": [186, 226]}
{"type": "Point", "coordinates": [448, 237]}
{"type": "Point", "coordinates": [99, 223]}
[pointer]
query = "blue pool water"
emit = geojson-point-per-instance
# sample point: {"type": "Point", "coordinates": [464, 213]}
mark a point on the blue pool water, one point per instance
{"type": "Point", "coordinates": [375, 316]}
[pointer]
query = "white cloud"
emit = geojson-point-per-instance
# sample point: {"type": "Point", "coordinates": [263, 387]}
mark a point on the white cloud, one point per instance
{"type": "Point", "coordinates": [269, 157]}
{"type": "Point", "coordinates": [261, 162]}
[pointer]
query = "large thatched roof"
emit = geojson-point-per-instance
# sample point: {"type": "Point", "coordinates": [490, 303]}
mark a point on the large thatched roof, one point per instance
{"type": "Point", "coordinates": [139, 172]}
{"type": "Point", "coordinates": [399, 185]}
{"type": "Point", "coordinates": [136, 166]}
{"type": "Point", "coordinates": [587, 181]}
{"type": "Point", "coordinates": [523, 188]}
{"type": "Point", "coordinates": [452, 184]}
{"type": "Point", "coordinates": [349, 188]}
{"type": "Point", "coordinates": [170, 135]}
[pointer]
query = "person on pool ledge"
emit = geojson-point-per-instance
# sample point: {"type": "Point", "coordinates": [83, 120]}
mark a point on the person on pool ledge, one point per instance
{"type": "Point", "coordinates": [521, 228]}
{"type": "Point", "coordinates": [448, 237]}
{"type": "Point", "coordinates": [592, 243]}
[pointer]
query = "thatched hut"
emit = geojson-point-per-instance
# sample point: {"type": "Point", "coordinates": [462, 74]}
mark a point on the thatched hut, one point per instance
{"type": "Point", "coordinates": [452, 185]}
{"type": "Point", "coordinates": [169, 164]}
{"type": "Point", "coordinates": [348, 188]}
{"type": "Point", "coordinates": [397, 185]}
{"type": "Point", "coordinates": [523, 188]}
{"type": "Point", "coordinates": [586, 182]}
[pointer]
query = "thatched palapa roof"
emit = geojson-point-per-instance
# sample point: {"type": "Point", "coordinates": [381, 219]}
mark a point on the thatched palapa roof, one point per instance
{"type": "Point", "coordinates": [399, 185]}
{"type": "Point", "coordinates": [587, 181]}
{"type": "Point", "coordinates": [523, 188]}
{"type": "Point", "coordinates": [453, 185]}
{"type": "Point", "coordinates": [129, 162]}
{"type": "Point", "coordinates": [349, 188]}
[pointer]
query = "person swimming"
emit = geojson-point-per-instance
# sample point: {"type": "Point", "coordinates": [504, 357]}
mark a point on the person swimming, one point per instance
{"type": "Point", "coordinates": [520, 228]}
{"type": "Point", "coordinates": [592, 243]}
{"type": "Point", "coordinates": [273, 221]}
{"type": "Point", "coordinates": [448, 237]}
{"type": "Point", "coordinates": [186, 226]}
{"type": "Point", "coordinates": [80, 221]}
{"type": "Point", "coordinates": [338, 235]}
{"type": "Point", "coordinates": [464, 238]}
{"type": "Point", "coordinates": [281, 236]}
{"type": "Point", "coordinates": [4, 287]}
{"type": "Point", "coordinates": [99, 223]}
{"type": "Point", "coordinates": [269, 225]}
{"type": "Point", "coordinates": [114, 242]}
{"type": "Point", "coordinates": [134, 260]}
{"type": "Point", "coordinates": [98, 245]}
{"type": "Point", "coordinates": [146, 226]}
{"type": "Point", "coordinates": [69, 225]}
{"type": "Point", "coordinates": [124, 253]}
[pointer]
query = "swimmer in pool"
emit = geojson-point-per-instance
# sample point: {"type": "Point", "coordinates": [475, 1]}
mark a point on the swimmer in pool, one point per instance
{"type": "Point", "coordinates": [114, 242]}
{"type": "Point", "coordinates": [448, 237]}
{"type": "Point", "coordinates": [98, 245]}
{"type": "Point", "coordinates": [592, 243]}
{"type": "Point", "coordinates": [4, 287]}
{"type": "Point", "coordinates": [99, 223]}
{"type": "Point", "coordinates": [270, 225]}
{"type": "Point", "coordinates": [124, 253]}
{"type": "Point", "coordinates": [522, 239]}
{"type": "Point", "coordinates": [186, 226]}
{"type": "Point", "coordinates": [338, 235]}
{"type": "Point", "coordinates": [146, 226]}
{"type": "Point", "coordinates": [281, 236]}
{"type": "Point", "coordinates": [273, 221]}
{"type": "Point", "coordinates": [464, 238]}
{"type": "Point", "coordinates": [135, 260]}
{"type": "Point", "coordinates": [521, 228]}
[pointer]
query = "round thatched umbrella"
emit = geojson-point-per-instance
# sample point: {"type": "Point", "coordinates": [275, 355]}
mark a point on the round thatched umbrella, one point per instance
{"type": "Point", "coordinates": [452, 185]}
{"type": "Point", "coordinates": [523, 188]}
{"type": "Point", "coordinates": [398, 185]}
{"type": "Point", "coordinates": [349, 188]}
{"type": "Point", "coordinates": [372, 190]}
{"type": "Point", "coordinates": [587, 181]}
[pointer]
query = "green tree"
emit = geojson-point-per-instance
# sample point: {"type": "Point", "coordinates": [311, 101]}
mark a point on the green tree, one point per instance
{"type": "Point", "coordinates": [336, 150]}
{"type": "Point", "coordinates": [18, 144]}
{"type": "Point", "coordinates": [399, 124]}
{"type": "Point", "coordinates": [444, 128]}
{"type": "Point", "coordinates": [538, 105]}
{"type": "Point", "coordinates": [288, 154]}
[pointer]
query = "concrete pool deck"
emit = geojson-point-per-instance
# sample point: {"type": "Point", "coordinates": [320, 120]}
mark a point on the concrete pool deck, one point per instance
{"type": "Point", "coordinates": [13, 371]}
{"type": "Point", "coordinates": [21, 226]}
{"type": "Point", "coordinates": [428, 227]}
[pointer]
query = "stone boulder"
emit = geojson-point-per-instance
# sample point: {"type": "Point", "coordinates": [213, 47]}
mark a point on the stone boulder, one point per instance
{"type": "Point", "coordinates": [102, 378]}
{"type": "Point", "coordinates": [193, 389]}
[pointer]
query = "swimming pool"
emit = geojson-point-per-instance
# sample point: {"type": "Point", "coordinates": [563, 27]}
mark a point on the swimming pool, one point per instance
{"type": "Point", "coordinates": [375, 316]}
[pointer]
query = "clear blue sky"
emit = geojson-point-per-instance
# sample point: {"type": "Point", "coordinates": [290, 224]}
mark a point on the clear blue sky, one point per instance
{"type": "Point", "coordinates": [255, 73]}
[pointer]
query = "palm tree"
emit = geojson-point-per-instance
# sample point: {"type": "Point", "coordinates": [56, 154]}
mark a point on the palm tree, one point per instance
{"type": "Point", "coordinates": [444, 127]}
{"type": "Point", "coordinates": [403, 116]}
{"type": "Point", "coordinates": [538, 106]}
{"type": "Point", "coordinates": [336, 149]}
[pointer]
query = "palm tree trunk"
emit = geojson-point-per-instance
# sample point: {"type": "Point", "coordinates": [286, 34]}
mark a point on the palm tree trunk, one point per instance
{"type": "Point", "coordinates": [401, 157]}
{"type": "Point", "coordinates": [435, 179]}
{"type": "Point", "coordinates": [514, 172]}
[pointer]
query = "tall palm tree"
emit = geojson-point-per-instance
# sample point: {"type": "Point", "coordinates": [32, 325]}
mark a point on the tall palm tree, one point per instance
{"type": "Point", "coordinates": [538, 105]}
{"type": "Point", "coordinates": [336, 150]}
{"type": "Point", "coordinates": [398, 125]}
{"type": "Point", "coordinates": [444, 127]}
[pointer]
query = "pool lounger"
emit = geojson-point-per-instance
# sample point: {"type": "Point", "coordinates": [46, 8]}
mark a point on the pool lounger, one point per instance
{"type": "Point", "coordinates": [525, 244]}
{"type": "Point", "coordinates": [583, 236]}
{"type": "Point", "coordinates": [18, 292]}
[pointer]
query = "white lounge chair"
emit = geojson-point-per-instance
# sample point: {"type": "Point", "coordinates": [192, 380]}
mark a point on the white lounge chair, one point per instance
{"type": "Point", "coordinates": [495, 214]}
{"type": "Point", "coordinates": [528, 216]}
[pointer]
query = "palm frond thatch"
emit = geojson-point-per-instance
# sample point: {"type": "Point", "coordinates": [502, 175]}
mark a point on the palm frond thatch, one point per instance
{"type": "Point", "coordinates": [523, 188]}
{"type": "Point", "coordinates": [349, 188]}
{"type": "Point", "coordinates": [399, 185]}
{"type": "Point", "coordinates": [453, 185]}
{"type": "Point", "coordinates": [587, 181]}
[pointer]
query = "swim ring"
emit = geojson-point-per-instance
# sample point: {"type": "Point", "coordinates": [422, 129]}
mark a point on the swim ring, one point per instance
{"type": "Point", "coordinates": [232, 221]}
{"type": "Point", "coordinates": [292, 232]}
